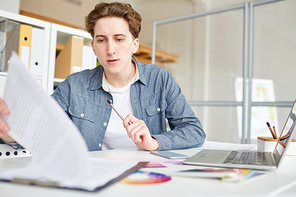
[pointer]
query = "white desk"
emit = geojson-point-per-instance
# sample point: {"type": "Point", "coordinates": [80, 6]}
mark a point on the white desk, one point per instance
{"type": "Point", "coordinates": [274, 183]}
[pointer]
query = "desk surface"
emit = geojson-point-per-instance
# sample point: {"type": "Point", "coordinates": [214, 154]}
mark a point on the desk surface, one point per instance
{"type": "Point", "coordinates": [279, 182]}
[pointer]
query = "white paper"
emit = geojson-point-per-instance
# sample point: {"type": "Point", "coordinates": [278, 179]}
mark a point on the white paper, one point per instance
{"type": "Point", "coordinates": [58, 149]}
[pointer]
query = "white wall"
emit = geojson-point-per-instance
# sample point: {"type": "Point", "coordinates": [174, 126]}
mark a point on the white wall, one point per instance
{"type": "Point", "coordinates": [60, 10]}
{"type": "Point", "coordinates": [10, 5]}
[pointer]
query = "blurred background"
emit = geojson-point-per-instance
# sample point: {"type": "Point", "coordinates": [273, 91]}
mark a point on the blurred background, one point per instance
{"type": "Point", "coordinates": [209, 56]}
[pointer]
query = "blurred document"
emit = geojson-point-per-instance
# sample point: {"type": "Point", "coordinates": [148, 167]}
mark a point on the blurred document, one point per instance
{"type": "Point", "coordinates": [59, 152]}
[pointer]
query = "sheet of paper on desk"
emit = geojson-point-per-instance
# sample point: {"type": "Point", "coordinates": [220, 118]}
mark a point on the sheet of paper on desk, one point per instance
{"type": "Point", "coordinates": [58, 150]}
{"type": "Point", "coordinates": [209, 173]}
{"type": "Point", "coordinates": [227, 174]}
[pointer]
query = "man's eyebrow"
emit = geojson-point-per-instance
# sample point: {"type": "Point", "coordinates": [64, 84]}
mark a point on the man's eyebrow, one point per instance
{"type": "Point", "coordinates": [114, 35]}
{"type": "Point", "coordinates": [100, 36]}
{"type": "Point", "coordinates": [120, 35]}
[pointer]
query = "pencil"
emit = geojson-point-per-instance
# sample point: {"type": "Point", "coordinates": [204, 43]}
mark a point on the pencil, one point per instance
{"type": "Point", "coordinates": [122, 118]}
{"type": "Point", "coordinates": [275, 132]}
{"type": "Point", "coordinates": [285, 136]}
{"type": "Point", "coordinates": [268, 125]}
{"type": "Point", "coordinates": [110, 102]}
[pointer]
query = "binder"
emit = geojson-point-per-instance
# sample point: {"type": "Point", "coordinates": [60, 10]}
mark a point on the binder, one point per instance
{"type": "Point", "coordinates": [88, 58]}
{"type": "Point", "coordinates": [7, 151]}
{"type": "Point", "coordinates": [69, 59]}
{"type": "Point", "coordinates": [25, 43]}
{"type": "Point", "coordinates": [37, 51]}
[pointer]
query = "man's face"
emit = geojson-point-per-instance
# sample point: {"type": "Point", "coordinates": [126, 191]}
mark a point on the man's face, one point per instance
{"type": "Point", "coordinates": [114, 44]}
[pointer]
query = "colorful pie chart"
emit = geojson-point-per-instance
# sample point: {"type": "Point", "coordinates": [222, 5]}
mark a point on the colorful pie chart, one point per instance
{"type": "Point", "coordinates": [142, 177]}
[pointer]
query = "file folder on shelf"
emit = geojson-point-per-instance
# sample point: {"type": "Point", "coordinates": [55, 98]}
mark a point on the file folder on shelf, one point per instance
{"type": "Point", "coordinates": [69, 59]}
{"type": "Point", "coordinates": [9, 41]}
{"type": "Point", "coordinates": [37, 51]}
{"type": "Point", "coordinates": [25, 43]}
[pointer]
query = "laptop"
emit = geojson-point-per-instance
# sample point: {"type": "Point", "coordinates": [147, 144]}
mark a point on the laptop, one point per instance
{"type": "Point", "coordinates": [248, 159]}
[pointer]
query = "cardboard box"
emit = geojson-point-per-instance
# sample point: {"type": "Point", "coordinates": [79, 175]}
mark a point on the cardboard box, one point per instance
{"type": "Point", "coordinates": [69, 59]}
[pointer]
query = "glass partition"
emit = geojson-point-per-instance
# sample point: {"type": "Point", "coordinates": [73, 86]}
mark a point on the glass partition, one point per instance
{"type": "Point", "coordinates": [220, 51]}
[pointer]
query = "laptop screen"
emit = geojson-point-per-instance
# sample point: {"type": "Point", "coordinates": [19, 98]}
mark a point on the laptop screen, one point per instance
{"type": "Point", "coordinates": [286, 134]}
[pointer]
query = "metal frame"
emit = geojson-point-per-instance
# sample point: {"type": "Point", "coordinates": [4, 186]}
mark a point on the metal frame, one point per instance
{"type": "Point", "coordinates": [248, 49]}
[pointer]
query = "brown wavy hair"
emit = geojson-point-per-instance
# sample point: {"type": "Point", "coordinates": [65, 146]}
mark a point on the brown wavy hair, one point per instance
{"type": "Point", "coordinates": [115, 9]}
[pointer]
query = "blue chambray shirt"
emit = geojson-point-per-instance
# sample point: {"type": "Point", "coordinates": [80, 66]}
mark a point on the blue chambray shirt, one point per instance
{"type": "Point", "coordinates": [155, 97]}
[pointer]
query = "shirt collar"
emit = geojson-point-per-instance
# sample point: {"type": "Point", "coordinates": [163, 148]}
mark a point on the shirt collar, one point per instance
{"type": "Point", "coordinates": [136, 78]}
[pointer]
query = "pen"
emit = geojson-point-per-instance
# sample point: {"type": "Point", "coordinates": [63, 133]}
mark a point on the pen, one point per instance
{"type": "Point", "coordinates": [122, 118]}
{"type": "Point", "coordinates": [270, 130]}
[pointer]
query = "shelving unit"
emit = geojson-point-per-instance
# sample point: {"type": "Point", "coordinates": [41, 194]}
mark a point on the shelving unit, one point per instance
{"type": "Point", "coordinates": [56, 36]}
{"type": "Point", "coordinates": [59, 36]}
{"type": "Point", "coordinates": [37, 24]}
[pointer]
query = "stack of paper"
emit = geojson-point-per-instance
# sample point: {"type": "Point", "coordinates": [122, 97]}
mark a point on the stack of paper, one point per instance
{"type": "Point", "coordinates": [59, 152]}
{"type": "Point", "coordinates": [227, 174]}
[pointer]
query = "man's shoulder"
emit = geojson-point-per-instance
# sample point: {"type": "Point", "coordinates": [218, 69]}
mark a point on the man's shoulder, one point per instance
{"type": "Point", "coordinates": [85, 74]}
{"type": "Point", "coordinates": [151, 69]}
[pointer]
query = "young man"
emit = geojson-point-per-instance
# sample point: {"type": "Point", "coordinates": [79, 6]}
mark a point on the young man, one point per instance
{"type": "Point", "coordinates": [145, 94]}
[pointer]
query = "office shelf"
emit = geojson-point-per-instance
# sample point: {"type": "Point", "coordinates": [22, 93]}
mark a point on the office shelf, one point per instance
{"type": "Point", "coordinates": [59, 36]}
{"type": "Point", "coordinates": [36, 23]}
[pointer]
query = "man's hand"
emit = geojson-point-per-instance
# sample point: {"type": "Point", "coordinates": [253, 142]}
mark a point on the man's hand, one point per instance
{"type": "Point", "coordinates": [139, 133]}
{"type": "Point", "coordinates": [4, 128]}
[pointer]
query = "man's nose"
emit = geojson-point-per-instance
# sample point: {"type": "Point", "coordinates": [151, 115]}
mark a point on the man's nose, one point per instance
{"type": "Point", "coordinates": [110, 48]}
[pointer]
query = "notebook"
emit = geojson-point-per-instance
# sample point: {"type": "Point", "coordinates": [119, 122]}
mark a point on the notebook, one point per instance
{"type": "Point", "coordinates": [248, 159]}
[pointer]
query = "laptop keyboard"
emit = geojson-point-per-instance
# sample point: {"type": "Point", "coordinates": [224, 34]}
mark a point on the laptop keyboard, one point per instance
{"type": "Point", "coordinates": [241, 157]}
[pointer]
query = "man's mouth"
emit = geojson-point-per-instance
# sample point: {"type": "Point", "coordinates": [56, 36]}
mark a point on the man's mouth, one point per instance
{"type": "Point", "coordinates": [112, 60]}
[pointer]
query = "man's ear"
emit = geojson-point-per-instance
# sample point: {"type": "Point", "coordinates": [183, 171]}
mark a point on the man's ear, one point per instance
{"type": "Point", "coordinates": [136, 45]}
{"type": "Point", "coordinates": [92, 46]}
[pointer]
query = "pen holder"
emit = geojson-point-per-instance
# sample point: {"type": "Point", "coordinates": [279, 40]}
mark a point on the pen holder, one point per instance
{"type": "Point", "coordinates": [267, 144]}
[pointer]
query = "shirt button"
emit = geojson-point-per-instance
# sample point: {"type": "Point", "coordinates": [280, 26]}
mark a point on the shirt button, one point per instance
{"type": "Point", "coordinates": [82, 115]}
{"type": "Point", "coordinates": [100, 145]}
{"type": "Point", "coordinates": [158, 109]}
{"type": "Point", "coordinates": [105, 124]}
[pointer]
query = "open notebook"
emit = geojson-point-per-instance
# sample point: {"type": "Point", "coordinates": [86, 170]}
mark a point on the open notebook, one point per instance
{"type": "Point", "coordinates": [249, 159]}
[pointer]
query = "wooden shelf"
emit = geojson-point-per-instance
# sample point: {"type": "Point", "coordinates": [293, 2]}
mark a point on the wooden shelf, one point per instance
{"type": "Point", "coordinates": [44, 18]}
{"type": "Point", "coordinates": [144, 54]}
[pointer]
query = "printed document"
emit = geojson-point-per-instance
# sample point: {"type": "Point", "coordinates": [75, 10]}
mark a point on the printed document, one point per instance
{"type": "Point", "coordinates": [59, 152]}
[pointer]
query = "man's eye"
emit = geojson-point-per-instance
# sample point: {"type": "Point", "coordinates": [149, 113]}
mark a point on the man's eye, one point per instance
{"type": "Point", "coordinates": [101, 40]}
{"type": "Point", "coordinates": [119, 39]}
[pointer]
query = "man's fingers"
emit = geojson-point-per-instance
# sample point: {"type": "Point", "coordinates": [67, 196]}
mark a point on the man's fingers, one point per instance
{"type": "Point", "coordinates": [4, 128]}
{"type": "Point", "coordinates": [3, 108]}
{"type": "Point", "coordinates": [137, 131]}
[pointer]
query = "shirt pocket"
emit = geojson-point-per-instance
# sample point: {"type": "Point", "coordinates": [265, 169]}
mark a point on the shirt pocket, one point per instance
{"type": "Point", "coordinates": [156, 108]}
{"type": "Point", "coordinates": [81, 108]}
